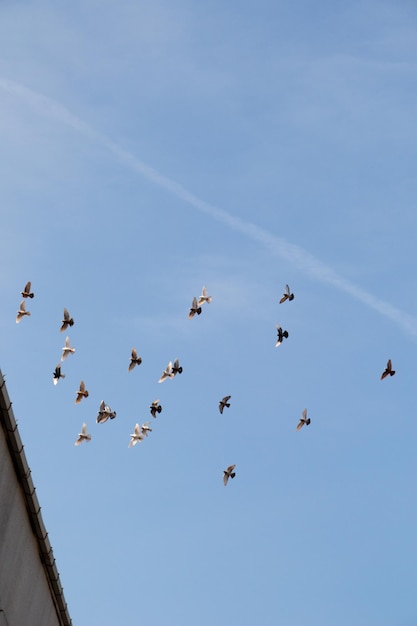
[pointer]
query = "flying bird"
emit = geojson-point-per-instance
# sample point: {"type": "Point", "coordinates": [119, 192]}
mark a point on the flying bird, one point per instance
{"type": "Point", "coordinates": [136, 436]}
{"type": "Point", "coordinates": [224, 402]}
{"type": "Point", "coordinates": [83, 436]}
{"type": "Point", "coordinates": [57, 374]}
{"type": "Point", "coordinates": [67, 321]}
{"type": "Point", "coordinates": [195, 308]}
{"type": "Point", "coordinates": [287, 295]}
{"type": "Point", "coordinates": [134, 359]}
{"type": "Point", "coordinates": [26, 293]}
{"type": "Point", "coordinates": [105, 413]}
{"type": "Point", "coordinates": [204, 297]}
{"type": "Point", "coordinates": [176, 368]}
{"type": "Point", "coordinates": [167, 373]}
{"type": "Point", "coordinates": [81, 393]}
{"type": "Point", "coordinates": [281, 334]}
{"type": "Point", "coordinates": [388, 370]}
{"type": "Point", "coordinates": [66, 350]}
{"type": "Point", "coordinates": [21, 312]}
{"type": "Point", "coordinates": [155, 408]}
{"type": "Point", "coordinates": [228, 473]}
{"type": "Point", "coordinates": [303, 420]}
{"type": "Point", "coordinates": [146, 428]}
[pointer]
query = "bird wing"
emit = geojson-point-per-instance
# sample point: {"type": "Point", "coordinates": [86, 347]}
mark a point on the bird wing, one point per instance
{"type": "Point", "coordinates": [300, 425]}
{"type": "Point", "coordinates": [230, 469]}
{"type": "Point", "coordinates": [66, 314]}
{"type": "Point", "coordinates": [304, 414]}
{"type": "Point", "coordinates": [84, 429]}
{"type": "Point", "coordinates": [27, 287]}
{"type": "Point", "coordinates": [134, 354]}
{"type": "Point", "coordinates": [79, 440]}
{"type": "Point", "coordinates": [225, 478]}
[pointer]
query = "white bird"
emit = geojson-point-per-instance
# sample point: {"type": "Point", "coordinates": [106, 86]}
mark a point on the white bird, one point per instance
{"type": "Point", "coordinates": [66, 350]}
{"type": "Point", "coordinates": [83, 435]}
{"type": "Point", "coordinates": [204, 297]}
{"type": "Point", "coordinates": [137, 435]}
{"type": "Point", "coordinates": [21, 312]}
{"type": "Point", "coordinates": [81, 393]}
{"type": "Point", "coordinates": [146, 428]}
{"type": "Point", "coordinates": [67, 321]}
{"type": "Point", "coordinates": [228, 473]}
{"type": "Point", "coordinates": [303, 420]}
{"type": "Point", "coordinates": [105, 413]}
{"type": "Point", "coordinates": [167, 373]}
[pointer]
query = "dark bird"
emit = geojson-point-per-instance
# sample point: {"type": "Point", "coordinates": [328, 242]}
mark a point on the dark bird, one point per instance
{"type": "Point", "coordinates": [303, 420]}
{"type": "Point", "coordinates": [105, 413]}
{"type": "Point", "coordinates": [21, 312]}
{"type": "Point", "coordinates": [67, 321]}
{"type": "Point", "coordinates": [83, 436]}
{"type": "Point", "coordinates": [224, 402]}
{"type": "Point", "coordinates": [57, 374]}
{"type": "Point", "coordinates": [281, 334]}
{"type": "Point", "coordinates": [155, 408]}
{"type": "Point", "coordinates": [195, 308]}
{"type": "Point", "coordinates": [204, 297]}
{"type": "Point", "coordinates": [81, 393]}
{"type": "Point", "coordinates": [176, 368]}
{"type": "Point", "coordinates": [26, 293]}
{"type": "Point", "coordinates": [134, 359]}
{"type": "Point", "coordinates": [228, 473]}
{"type": "Point", "coordinates": [388, 370]}
{"type": "Point", "coordinates": [287, 295]}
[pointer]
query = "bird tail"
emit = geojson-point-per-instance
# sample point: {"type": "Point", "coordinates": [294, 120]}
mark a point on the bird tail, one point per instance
{"type": "Point", "coordinates": [233, 475]}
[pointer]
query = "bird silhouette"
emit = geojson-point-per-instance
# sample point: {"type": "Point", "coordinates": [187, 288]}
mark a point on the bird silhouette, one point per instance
{"type": "Point", "coordinates": [281, 334]}
{"type": "Point", "coordinates": [136, 436]}
{"type": "Point", "coordinates": [26, 293]}
{"type": "Point", "coordinates": [388, 370]}
{"type": "Point", "coordinates": [83, 435]}
{"type": "Point", "coordinates": [303, 420]}
{"type": "Point", "coordinates": [287, 295]}
{"type": "Point", "coordinates": [195, 308]}
{"type": "Point", "coordinates": [21, 312]}
{"type": "Point", "coordinates": [134, 360]}
{"type": "Point", "coordinates": [67, 321]}
{"type": "Point", "coordinates": [176, 368]}
{"type": "Point", "coordinates": [155, 408]}
{"type": "Point", "coordinates": [81, 393]}
{"type": "Point", "coordinates": [224, 402]}
{"type": "Point", "coordinates": [57, 374]}
{"type": "Point", "coordinates": [228, 473]}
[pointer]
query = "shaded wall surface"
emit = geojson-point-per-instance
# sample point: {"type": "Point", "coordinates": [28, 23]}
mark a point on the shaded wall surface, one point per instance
{"type": "Point", "coordinates": [30, 590]}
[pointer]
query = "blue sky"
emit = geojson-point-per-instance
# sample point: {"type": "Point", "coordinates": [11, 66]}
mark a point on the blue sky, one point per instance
{"type": "Point", "coordinates": [149, 149]}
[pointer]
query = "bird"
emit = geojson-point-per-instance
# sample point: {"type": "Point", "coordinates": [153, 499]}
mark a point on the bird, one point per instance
{"type": "Point", "coordinates": [287, 295]}
{"type": "Point", "coordinates": [303, 420]}
{"type": "Point", "coordinates": [146, 428]}
{"type": "Point", "coordinates": [224, 402]}
{"type": "Point", "coordinates": [134, 359]}
{"type": "Point", "coordinates": [81, 393]}
{"type": "Point", "coordinates": [204, 297]}
{"type": "Point", "coordinates": [228, 473]}
{"type": "Point", "coordinates": [57, 374]}
{"type": "Point", "coordinates": [195, 308]}
{"type": "Point", "coordinates": [67, 321]}
{"type": "Point", "coordinates": [21, 312]}
{"type": "Point", "coordinates": [280, 335]}
{"type": "Point", "coordinates": [26, 293]}
{"type": "Point", "coordinates": [66, 350]}
{"type": "Point", "coordinates": [167, 373]}
{"type": "Point", "coordinates": [388, 370]}
{"type": "Point", "coordinates": [155, 408]}
{"type": "Point", "coordinates": [136, 436]}
{"type": "Point", "coordinates": [105, 413]}
{"type": "Point", "coordinates": [176, 368]}
{"type": "Point", "coordinates": [83, 435]}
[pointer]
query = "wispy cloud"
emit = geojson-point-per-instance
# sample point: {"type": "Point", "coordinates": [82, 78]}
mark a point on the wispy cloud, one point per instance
{"type": "Point", "coordinates": [277, 246]}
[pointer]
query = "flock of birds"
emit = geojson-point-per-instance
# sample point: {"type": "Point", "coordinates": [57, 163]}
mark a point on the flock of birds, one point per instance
{"type": "Point", "coordinates": [172, 369]}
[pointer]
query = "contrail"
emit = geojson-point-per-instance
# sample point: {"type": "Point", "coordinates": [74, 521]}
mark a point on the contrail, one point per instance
{"type": "Point", "coordinates": [277, 246]}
